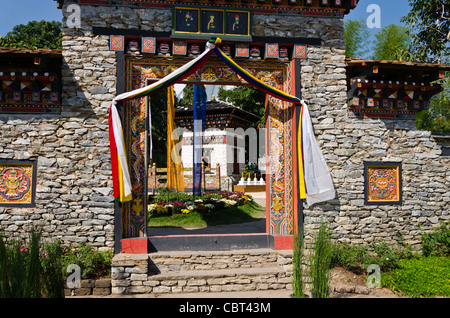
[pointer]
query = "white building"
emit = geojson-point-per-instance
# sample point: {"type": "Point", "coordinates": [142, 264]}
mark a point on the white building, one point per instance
{"type": "Point", "coordinates": [222, 140]}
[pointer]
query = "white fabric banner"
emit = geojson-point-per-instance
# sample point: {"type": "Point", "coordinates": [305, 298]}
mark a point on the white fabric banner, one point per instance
{"type": "Point", "coordinates": [318, 182]}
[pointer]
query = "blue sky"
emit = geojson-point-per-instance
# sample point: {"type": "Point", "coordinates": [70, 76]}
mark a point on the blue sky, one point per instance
{"type": "Point", "coordinates": [391, 11]}
{"type": "Point", "coordinates": [15, 12]}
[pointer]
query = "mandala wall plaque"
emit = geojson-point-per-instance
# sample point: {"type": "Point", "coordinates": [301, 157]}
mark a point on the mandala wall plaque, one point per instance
{"type": "Point", "coordinates": [383, 183]}
{"type": "Point", "coordinates": [17, 184]}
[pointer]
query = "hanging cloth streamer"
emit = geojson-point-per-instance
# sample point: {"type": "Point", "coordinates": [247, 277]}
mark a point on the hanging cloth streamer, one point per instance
{"type": "Point", "coordinates": [317, 182]}
{"type": "Point", "coordinates": [317, 178]}
{"type": "Point", "coordinates": [301, 170]}
{"type": "Point", "coordinates": [197, 141]}
{"type": "Point", "coordinates": [175, 178]}
{"type": "Point", "coordinates": [121, 175]}
{"type": "Point", "coordinates": [249, 78]}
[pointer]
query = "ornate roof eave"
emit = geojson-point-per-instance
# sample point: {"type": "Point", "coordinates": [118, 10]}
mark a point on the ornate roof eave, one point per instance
{"type": "Point", "coordinates": [51, 52]}
{"type": "Point", "coordinates": [403, 71]}
{"type": "Point", "coordinates": [311, 7]}
{"type": "Point", "coordinates": [215, 108]}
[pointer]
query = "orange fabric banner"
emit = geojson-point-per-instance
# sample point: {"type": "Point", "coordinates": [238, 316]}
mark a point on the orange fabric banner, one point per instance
{"type": "Point", "coordinates": [175, 177]}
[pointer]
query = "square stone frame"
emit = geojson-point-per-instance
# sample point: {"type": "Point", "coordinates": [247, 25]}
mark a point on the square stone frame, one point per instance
{"type": "Point", "coordinates": [284, 209]}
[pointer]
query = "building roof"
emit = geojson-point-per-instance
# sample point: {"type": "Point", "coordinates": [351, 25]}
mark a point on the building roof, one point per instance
{"type": "Point", "coordinates": [9, 50]}
{"type": "Point", "coordinates": [19, 60]}
{"type": "Point", "coordinates": [314, 7]}
{"type": "Point", "coordinates": [402, 71]}
{"type": "Point", "coordinates": [219, 114]}
{"type": "Point", "coordinates": [215, 106]}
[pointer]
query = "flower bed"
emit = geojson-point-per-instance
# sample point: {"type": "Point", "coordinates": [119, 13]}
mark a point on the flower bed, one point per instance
{"type": "Point", "coordinates": [209, 202]}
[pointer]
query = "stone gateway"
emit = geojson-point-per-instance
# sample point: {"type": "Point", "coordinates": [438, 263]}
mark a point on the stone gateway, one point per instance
{"type": "Point", "coordinates": [391, 179]}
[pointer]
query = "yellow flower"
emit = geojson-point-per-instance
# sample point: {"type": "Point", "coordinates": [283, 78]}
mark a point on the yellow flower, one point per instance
{"type": "Point", "coordinates": [185, 211]}
{"type": "Point", "coordinates": [162, 210]}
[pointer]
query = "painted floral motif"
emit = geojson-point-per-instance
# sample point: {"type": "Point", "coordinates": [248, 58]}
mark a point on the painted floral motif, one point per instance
{"type": "Point", "coordinates": [382, 185]}
{"type": "Point", "coordinates": [14, 184]}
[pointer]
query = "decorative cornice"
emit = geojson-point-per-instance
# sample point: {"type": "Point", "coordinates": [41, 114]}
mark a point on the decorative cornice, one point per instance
{"type": "Point", "coordinates": [306, 7]}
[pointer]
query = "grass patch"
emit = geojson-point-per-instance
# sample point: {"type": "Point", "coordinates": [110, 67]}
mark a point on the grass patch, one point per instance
{"type": "Point", "coordinates": [356, 258]}
{"type": "Point", "coordinates": [232, 215]}
{"type": "Point", "coordinates": [420, 277]}
{"type": "Point", "coordinates": [407, 271]}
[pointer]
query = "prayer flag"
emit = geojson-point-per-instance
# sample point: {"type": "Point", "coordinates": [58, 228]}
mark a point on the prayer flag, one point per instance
{"type": "Point", "coordinates": [318, 183]}
{"type": "Point", "coordinates": [175, 178]}
{"type": "Point", "coordinates": [197, 141]}
{"type": "Point", "coordinates": [119, 164]}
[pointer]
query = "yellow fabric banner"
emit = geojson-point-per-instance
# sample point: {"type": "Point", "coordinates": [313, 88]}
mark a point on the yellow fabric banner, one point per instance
{"type": "Point", "coordinates": [175, 178]}
{"type": "Point", "coordinates": [301, 176]}
{"type": "Point", "coordinates": [123, 197]}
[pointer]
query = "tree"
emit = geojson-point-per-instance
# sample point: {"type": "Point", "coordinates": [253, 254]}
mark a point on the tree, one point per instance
{"type": "Point", "coordinates": [34, 35]}
{"type": "Point", "coordinates": [356, 37]}
{"type": "Point", "coordinates": [437, 118]}
{"type": "Point", "coordinates": [429, 21]}
{"type": "Point", "coordinates": [391, 43]}
{"type": "Point", "coordinates": [188, 95]}
{"type": "Point", "coordinates": [246, 97]}
{"type": "Point", "coordinates": [158, 104]}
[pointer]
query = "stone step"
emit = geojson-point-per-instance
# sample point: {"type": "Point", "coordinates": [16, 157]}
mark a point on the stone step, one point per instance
{"type": "Point", "coordinates": [165, 262]}
{"type": "Point", "coordinates": [201, 271]}
{"type": "Point", "coordinates": [224, 280]}
{"type": "Point", "coordinates": [210, 242]}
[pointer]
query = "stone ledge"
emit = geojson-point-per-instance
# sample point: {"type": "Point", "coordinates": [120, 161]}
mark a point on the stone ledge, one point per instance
{"type": "Point", "coordinates": [99, 287]}
{"type": "Point", "coordinates": [206, 274]}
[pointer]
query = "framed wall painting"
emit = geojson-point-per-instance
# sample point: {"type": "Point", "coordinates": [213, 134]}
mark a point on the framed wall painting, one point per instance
{"type": "Point", "coordinates": [238, 23]}
{"type": "Point", "coordinates": [17, 183]}
{"type": "Point", "coordinates": [212, 21]}
{"type": "Point", "coordinates": [117, 43]}
{"type": "Point", "coordinates": [187, 20]}
{"type": "Point", "coordinates": [201, 22]}
{"type": "Point", "coordinates": [382, 183]}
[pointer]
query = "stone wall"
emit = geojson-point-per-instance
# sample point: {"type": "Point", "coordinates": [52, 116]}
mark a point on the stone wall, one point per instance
{"type": "Point", "coordinates": [74, 199]}
{"type": "Point", "coordinates": [193, 272]}
{"type": "Point", "coordinates": [74, 188]}
{"type": "Point", "coordinates": [348, 142]}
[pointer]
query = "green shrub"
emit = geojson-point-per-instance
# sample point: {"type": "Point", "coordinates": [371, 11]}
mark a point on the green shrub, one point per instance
{"type": "Point", "coordinates": [420, 277]}
{"type": "Point", "coordinates": [29, 270]}
{"type": "Point", "coordinates": [356, 258]}
{"type": "Point", "coordinates": [52, 265]}
{"type": "Point", "coordinates": [350, 256]}
{"type": "Point", "coordinates": [437, 242]}
{"type": "Point", "coordinates": [320, 261]}
{"type": "Point", "coordinates": [387, 256]}
{"type": "Point", "coordinates": [165, 195]}
{"type": "Point", "coordinates": [93, 263]}
{"type": "Point", "coordinates": [298, 285]}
